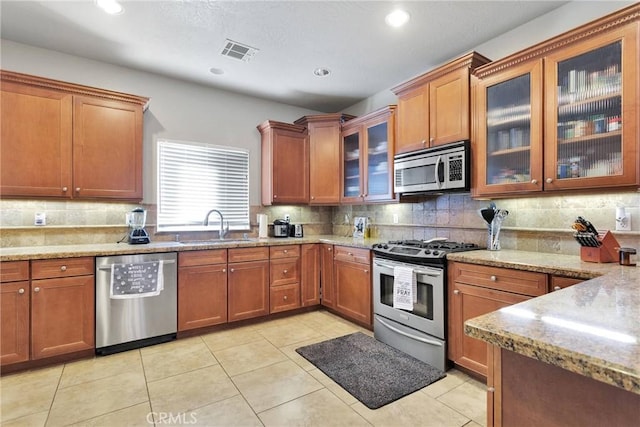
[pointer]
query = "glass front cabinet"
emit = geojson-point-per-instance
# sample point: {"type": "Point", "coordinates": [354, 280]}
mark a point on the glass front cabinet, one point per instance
{"type": "Point", "coordinates": [566, 120]}
{"type": "Point", "coordinates": [367, 157]}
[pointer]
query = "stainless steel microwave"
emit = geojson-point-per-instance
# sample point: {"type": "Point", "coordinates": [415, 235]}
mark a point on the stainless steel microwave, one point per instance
{"type": "Point", "coordinates": [433, 170]}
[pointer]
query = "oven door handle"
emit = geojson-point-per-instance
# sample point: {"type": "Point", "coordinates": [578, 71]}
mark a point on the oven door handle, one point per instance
{"type": "Point", "coordinates": [413, 337]}
{"type": "Point", "coordinates": [432, 272]}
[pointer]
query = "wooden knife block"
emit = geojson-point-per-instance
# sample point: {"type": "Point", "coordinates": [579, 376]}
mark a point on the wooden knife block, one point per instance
{"type": "Point", "coordinates": [606, 252]}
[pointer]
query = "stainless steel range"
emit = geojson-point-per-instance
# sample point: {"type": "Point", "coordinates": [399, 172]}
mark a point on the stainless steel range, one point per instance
{"type": "Point", "coordinates": [409, 280]}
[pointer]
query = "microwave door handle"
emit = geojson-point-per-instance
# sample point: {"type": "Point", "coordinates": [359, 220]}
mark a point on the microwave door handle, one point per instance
{"type": "Point", "coordinates": [439, 171]}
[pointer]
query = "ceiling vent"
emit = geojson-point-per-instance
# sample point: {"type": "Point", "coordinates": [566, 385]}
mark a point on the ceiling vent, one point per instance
{"type": "Point", "coordinates": [239, 51]}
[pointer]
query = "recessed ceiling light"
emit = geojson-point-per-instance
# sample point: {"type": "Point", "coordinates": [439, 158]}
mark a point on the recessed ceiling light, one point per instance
{"type": "Point", "coordinates": [322, 72]}
{"type": "Point", "coordinates": [112, 7]}
{"type": "Point", "coordinates": [397, 18]}
{"type": "Point", "coordinates": [216, 71]}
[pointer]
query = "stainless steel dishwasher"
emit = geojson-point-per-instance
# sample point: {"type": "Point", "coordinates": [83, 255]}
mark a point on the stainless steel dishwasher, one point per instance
{"type": "Point", "coordinates": [136, 301]}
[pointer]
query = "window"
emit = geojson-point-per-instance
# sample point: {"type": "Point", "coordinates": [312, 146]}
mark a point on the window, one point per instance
{"type": "Point", "coordinates": [194, 178]}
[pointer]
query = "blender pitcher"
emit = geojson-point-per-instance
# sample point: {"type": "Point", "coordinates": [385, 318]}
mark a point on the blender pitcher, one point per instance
{"type": "Point", "coordinates": [137, 234]}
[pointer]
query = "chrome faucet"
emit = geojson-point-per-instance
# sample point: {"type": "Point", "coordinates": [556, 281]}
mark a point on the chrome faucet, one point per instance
{"type": "Point", "coordinates": [223, 231]}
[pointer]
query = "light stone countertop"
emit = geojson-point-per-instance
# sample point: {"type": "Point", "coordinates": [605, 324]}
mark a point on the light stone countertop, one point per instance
{"type": "Point", "coordinates": [106, 249]}
{"type": "Point", "coordinates": [592, 328]}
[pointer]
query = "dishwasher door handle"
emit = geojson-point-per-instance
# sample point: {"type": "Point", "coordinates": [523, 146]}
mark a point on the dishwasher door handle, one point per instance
{"type": "Point", "coordinates": [109, 266]}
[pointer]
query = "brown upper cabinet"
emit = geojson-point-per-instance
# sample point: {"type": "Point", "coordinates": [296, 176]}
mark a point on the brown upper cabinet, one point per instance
{"type": "Point", "coordinates": [434, 108]}
{"type": "Point", "coordinates": [367, 157]}
{"type": "Point", "coordinates": [69, 141]}
{"type": "Point", "coordinates": [323, 131]}
{"type": "Point", "coordinates": [285, 163]}
{"type": "Point", "coordinates": [561, 115]}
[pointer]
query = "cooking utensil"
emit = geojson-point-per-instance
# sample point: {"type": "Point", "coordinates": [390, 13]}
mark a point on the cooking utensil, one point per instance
{"type": "Point", "coordinates": [488, 214]}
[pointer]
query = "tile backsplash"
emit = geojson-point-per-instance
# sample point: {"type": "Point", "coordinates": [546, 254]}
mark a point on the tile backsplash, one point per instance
{"type": "Point", "coordinates": [540, 224]}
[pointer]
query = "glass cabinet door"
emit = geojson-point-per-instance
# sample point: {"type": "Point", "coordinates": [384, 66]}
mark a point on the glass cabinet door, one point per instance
{"type": "Point", "coordinates": [509, 137]}
{"type": "Point", "coordinates": [589, 98]}
{"type": "Point", "coordinates": [351, 171]}
{"type": "Point", "coordinates": [378, 182]}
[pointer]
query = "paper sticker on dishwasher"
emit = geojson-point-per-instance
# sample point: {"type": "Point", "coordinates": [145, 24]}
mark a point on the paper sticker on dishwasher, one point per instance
{"type": "Point", "coordinates": [136, 280]}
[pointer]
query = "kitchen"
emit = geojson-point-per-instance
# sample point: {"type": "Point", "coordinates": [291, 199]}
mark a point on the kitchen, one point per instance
{"type": "Point", "coordinates": [538, 224]}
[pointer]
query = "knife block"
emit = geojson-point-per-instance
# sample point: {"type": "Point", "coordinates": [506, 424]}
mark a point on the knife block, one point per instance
{"type": "Point", "coordinates": [606, 252]}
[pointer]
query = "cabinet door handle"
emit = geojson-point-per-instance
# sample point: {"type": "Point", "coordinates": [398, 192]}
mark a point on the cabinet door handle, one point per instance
{"type": "Point", "coordinates": [493, 278]}
{"type": "Point", "coordinates": [431, 140]}
{"type": "Point", "coordinates": [366, 271]}
{"type": "Point", "coordinates": [285, 251]}
{"type": "Point", "coordinates": [491, 389]}
{"type": "Point", "coordinates": [285, 271]}
{"type": "Point", "coordinates": [63, 268]}
{"type": "Point", "coordinates": [557, 288]}
{"type": "Point", "coordinates": [36, 289]}
{"type": "Point", "coordinates": [424, 141]}
{"type": "Point", "coordinates": [224, 270]}
{"type": "Point", "coordinates": [275, 196]}
{"type": "Point", "coordinates": [549, 180]}
{"type": "Point", "coordinates": [21, 291]}
{"type": "Point", "coordinates": [232, 270]}
{"type": "Point", "coordinates": [313, 197]}
{"type": "Point", "coordinates": [77, 189]}
{"type": "Point", "coordinates": [534, 181]}
{"type": "Point", "coordinates": [456, 291]}
{"type": "Point", "coordinates": [350, 253]}
{"type": "Point", "coordinates": [285, 298]}
{"type": "Point", "coordinates": [329, 249]}
{"type": "Point", "coordinates": [64, 189]}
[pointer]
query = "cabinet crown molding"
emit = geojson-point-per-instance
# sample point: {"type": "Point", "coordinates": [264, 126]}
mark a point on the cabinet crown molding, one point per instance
{"type": "Point", "coordinates": [74, 89]}
{"type": "Point", "coordinates": [607, 23]}
{"type": "Point", "coordinates": [471, 60]}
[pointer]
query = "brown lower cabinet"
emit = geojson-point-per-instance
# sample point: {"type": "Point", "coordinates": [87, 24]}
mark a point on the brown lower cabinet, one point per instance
{"type": "Point", "coordinates": [62, 306]}
{"type": "Point", "coordinates": [202, 288]}
{"type": "Point", "coordinates": [327, 282]}
{"type": "Point", "coordinates": [352, 274]}
{"type": "Point", "coordinates": [475, 290]}
{"type": "Point", "coordinates": [310, 274]}
{"type": "Point", "coordinates": [284, 286]}
{"type": "Point", "coordinates": [14, 311]}
{"type": "Point", "coordinates": [248, 283]}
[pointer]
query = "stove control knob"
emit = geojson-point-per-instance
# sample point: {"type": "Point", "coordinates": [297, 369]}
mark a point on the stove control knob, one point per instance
{"type": "Point", "coordinates": [435, 252]}
{"type": "Point", "coordinates": [386, 246]}
{"type": "Point", "coordinates": [427, 251]}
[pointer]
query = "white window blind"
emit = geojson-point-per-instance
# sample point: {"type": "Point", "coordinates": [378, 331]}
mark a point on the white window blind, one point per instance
{"type": "Point", "coordinates": [194, 178]}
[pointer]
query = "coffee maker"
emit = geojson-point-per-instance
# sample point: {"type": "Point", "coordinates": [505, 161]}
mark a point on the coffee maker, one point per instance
{"type": "Point", "coordinates": [137, 233]}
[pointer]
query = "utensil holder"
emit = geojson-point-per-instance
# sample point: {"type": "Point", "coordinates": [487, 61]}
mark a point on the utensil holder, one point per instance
{"type": "Point", "coordinates": [493, 236]}
{"type": "Point", "coordinates": [605, 252]}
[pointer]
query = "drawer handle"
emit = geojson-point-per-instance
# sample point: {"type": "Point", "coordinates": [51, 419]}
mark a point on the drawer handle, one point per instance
{"type": "Point", "coordinates": [21, 291]}
{"type": "Point", "coordinates": [63, 268]}
{"type": "Point", "coordinates": [285, 271]}
{"type": "Point", "coordinates": [285, 298]}
{"type": "Point", "coordinates": [493, 278]}
{"type": "Point", "coordinates": [36, 289]}
{"type": "Point", "coordinates": [366, 271]}
{"type": "Point", "coordinates": [329, 249]}
{"type": "Point", "coordinates": [285, 251]}
{"type": "Point", "coordinates": [557, 288]}
{"type": "Point", "coordinates": [350, 253]}
{"type": "Point", "coordinates": [456, 291]}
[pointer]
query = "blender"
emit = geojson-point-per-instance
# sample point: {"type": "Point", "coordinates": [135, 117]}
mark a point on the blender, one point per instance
{"type": "Point", "coordinates": [137, 233]}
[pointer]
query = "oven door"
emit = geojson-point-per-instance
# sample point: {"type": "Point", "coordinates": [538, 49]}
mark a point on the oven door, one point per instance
{"type": "Point", "coordinates": [428, 312]}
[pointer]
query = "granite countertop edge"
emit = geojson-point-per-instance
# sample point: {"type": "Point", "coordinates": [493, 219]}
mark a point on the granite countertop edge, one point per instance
{"type": "Point", "coordinates": [24, 253]}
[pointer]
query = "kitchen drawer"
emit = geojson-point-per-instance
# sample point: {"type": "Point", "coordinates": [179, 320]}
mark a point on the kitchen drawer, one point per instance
{"type": "Point", "coordinates": [284, 271]}
{"type": "Point", "coordinates": [248, 254]}
{"type": "Point", "coordinates": [208, 257]}
{"type": "Point", "coordinates": [48, 268]}
{"type": "Point", "coordinates": [559, 282]}
{"type": "Point", "coordinates": [282, 298]}
{"type": "Point", "coordinates": [286, 251]}
{"type": "Point", "coordinates": [503, 279]}
{"type": "Point", "coordinates": [13, 271]}
{"type": "Point", "coordinates": [345, 253]}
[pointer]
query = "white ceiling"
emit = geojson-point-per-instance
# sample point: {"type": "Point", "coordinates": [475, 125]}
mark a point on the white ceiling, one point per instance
{"type": "Point", "coordinates": [183, 39]}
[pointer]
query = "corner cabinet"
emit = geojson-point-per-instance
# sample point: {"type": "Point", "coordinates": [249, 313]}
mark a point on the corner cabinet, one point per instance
{"type": "Point", "coordinates": [285, 163]}
{"type": "Point", "coordinates": [323, 132]}
{"type": "Point", "coordinates": [435, 108]}
{"type": "Point", "coordinates": [69, 141]}
{"type": "Point", "coordinates": [562, 115]}
{"type": "Point", "coordinates": [367, 157]}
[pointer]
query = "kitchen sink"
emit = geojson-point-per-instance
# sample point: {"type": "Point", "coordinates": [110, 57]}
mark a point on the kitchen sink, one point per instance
{"type": "Point", "coordinates": [218, 242]}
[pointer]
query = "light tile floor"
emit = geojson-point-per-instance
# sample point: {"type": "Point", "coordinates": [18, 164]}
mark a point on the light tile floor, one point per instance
{"type": "Point", "coordinates": [246, 376]}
